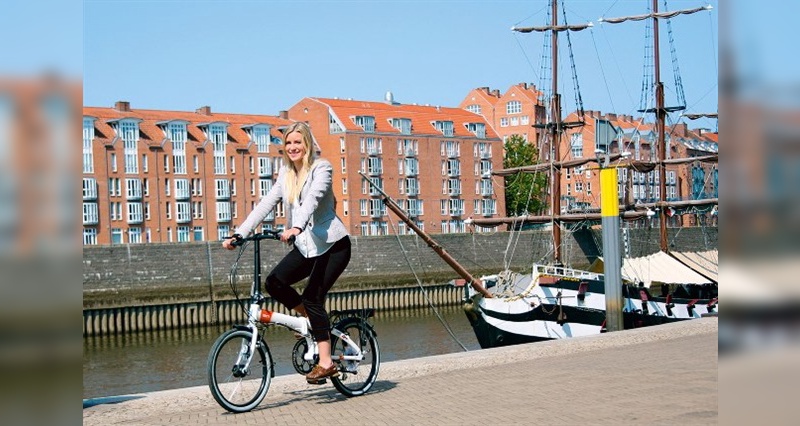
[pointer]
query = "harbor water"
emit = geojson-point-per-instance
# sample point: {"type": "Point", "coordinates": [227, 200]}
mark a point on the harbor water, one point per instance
{"type": "Point", "coordinates": [168, 359]}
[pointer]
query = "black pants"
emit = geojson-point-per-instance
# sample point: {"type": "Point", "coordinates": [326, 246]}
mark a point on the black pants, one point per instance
{"type": "Point", "coordinates": [322, 272]}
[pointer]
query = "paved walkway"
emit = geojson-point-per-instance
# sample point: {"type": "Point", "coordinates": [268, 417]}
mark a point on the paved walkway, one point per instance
{"type": "Point", "coordinates": [658, 375]}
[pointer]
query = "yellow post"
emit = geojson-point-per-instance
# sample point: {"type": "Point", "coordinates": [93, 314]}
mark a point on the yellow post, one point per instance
{"type": "Point", "coordinates": [609, 210]}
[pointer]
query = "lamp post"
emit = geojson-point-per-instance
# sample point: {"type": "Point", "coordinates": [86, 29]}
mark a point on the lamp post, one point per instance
{"type": "Point", "coordinates": [609, 212]}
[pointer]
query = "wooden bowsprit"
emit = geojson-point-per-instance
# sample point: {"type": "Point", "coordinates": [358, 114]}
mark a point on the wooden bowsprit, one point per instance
{"type": "Point", "coordinates": [438, 249]}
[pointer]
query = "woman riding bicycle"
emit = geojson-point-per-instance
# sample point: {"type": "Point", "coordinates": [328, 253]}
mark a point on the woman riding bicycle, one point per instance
{"type": "Point", "coordinates": [321, 243]}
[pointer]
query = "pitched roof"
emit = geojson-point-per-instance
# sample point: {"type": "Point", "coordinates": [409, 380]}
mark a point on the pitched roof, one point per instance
{"type": "Point", "coordinates": [152, 135]}
{"type": "Point", "coordinates": [420, 116]}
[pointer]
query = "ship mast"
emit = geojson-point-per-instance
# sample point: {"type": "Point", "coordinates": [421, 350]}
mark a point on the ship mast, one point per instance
{"type": "Point", "coordinates": [555, 142]}
{"type": "Point", "coordinates": [555, 126]}
{"type": "Point", "coordinates": [660, 110]}
{"type": "Point", "coordinates": [661, 118]}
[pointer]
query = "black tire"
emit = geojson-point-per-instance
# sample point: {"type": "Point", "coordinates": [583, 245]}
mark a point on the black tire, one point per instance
{"type": "Point", "coordinates": [245, 392]}
{"type": "Point", "coordinates": [355, 380]}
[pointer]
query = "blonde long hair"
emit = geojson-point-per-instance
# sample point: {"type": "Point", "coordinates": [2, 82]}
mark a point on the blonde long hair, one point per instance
{"type": "Point", "coordinates": [295, 179]}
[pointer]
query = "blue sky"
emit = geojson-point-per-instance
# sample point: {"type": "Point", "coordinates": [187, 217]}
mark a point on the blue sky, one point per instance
{"type": "Point", "coordinates": [263, 56]}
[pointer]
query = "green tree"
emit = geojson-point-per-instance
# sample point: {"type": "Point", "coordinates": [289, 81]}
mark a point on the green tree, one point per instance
{"type": "Point", "coordinates": [525, 192]}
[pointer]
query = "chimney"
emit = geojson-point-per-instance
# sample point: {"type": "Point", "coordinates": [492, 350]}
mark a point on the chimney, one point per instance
{"type": "Point", "coordinates": [484, 89]}
{"type": "Point", "coordinates": [203, 110]}
{"type": "Point", "coordinates": [524, 85]}
{"type": "Point", "coordinates": [122, 106]}
{"type": "Point", "coordinates": [496, 92]}
{"type": "Point", "coordinates": [283, 114]}
{"type": "Point", "coordinates": [611, 116]}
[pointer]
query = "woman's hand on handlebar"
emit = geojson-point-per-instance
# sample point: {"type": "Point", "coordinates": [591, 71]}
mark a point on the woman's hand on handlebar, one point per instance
{"type": "Point", "coordinates": [289, 235]}
{"type": "Point", "coordinates": [229, 243]}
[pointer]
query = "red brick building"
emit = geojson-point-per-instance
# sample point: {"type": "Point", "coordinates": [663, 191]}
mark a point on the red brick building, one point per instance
{"type": "Point", "coordinates": [512, 113]}
{"type": "Point", "coordinates": [174, 176]}
{"type": "Point", "coordinates": [435, 161]}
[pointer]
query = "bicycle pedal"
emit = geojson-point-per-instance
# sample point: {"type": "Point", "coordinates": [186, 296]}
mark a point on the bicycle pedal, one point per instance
{"type": "Point", "coordinates": [317, 382]}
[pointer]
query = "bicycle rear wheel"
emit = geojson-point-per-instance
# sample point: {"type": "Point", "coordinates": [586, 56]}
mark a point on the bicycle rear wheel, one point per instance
{"type": "Point", "coordinates": [356, 377]}
{"type": "Point", "coordinates": [235, 387]}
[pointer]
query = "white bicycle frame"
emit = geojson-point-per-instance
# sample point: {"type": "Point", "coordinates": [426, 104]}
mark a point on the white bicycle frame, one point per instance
{"type": "Point", "coordinates": [298, 324]}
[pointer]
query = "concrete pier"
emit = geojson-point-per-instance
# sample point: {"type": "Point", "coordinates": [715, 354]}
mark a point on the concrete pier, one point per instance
{"type": "Point", "coordinates": [664, 374]}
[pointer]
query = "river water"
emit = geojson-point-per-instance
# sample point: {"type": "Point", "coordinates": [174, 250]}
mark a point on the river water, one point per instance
{"type": "Point", "coordinates": [153, 361]}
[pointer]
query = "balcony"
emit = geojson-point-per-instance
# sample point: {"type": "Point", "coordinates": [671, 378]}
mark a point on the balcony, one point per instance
{"type": "Point", "coordinates": [486, 155]}
{"type": "Point", "coordinates": [487, 192]}
{"type": "Point", "coordinates": [456, 212]}
{"type": "Point", "coordinates": [374, 171]}
{"type": "Point", "coordinates": [412, 191]}
{"type": "Point", "coordinates": [409, 152]}
{"type": "Point", "coordinates": [376, 214]}
{"type": "Point", "coordinates": [89, 189]}
{"type": "Point", "coordinates": [454, 192]}
{"type": "Point", "coordinates": [372, 151]}
{"type": "Point", "coordinates": [452, 153]}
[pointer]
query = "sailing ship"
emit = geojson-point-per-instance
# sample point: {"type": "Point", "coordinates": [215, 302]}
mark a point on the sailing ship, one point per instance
{"type": "Point", "coordinates": [553, 301]}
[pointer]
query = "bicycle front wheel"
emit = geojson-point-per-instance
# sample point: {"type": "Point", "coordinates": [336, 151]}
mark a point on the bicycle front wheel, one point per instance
{"type": "Point", "coordinates": [356, 377]}
{"type": "Point", "coordinates": [238, 387]}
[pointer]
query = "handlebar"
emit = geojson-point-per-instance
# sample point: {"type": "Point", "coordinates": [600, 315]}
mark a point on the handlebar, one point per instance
{"type": "Point", "coordinates": [239, 240]}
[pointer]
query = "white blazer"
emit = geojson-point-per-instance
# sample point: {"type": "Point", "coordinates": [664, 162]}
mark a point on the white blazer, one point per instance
{"type": "Point", "coordinates": [314, 213]}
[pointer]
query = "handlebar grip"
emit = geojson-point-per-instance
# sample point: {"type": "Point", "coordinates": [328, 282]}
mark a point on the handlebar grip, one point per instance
{"type": "Point", "coordinates": [238, 241]}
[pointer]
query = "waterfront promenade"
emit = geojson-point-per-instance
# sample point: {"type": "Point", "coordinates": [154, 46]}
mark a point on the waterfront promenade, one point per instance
{"type": "Point", "coordinates": [665, 374]}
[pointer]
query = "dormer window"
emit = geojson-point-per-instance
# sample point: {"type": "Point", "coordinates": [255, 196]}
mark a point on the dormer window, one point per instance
{"type": "Point", "coordinates": [367, 122]}
{"type": "Point", "coordinates": [474, 108]}
{"type": "Point", "coordinates": [127, 129]}
{"type": "Point", "coordinates": [88, 137]}
{"type": "Point", "coordinates": [402, 124]}
{"type": "Point", "coordinates": [478, 129]}
{"type": "Point", "coordinates": [446, 127]}
{"type": "Point", "coordinates": [333, 124]}
{"type": "Point", "coordinates": [259, 135]}
{"type": "Point", "coordinates": [175, 131]}
{"type": "Point", "coordinates": [217, 134]}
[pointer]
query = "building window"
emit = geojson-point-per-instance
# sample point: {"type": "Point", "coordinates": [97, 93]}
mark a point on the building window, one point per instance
{"type": "Point", "coordinates": [478, 129]}
{"type": "Point", "coordinates": [403, 125]}
{"type": "Point", "coordinates": [184, 211]}
{"type": "Point", "coordinates": [218, 136]}
{"type": "Point", "coordinates": [135, 235]}
{"type": "Point", "coordinates": [90, 214]}
{"type": "Point", "coordinates": [576, 145]}
{"type": "Point", "coordinates": [88, 155]}
{"type": "Point", "coordinates": [446, 127]}
{"type": "Point", "coordinates": [198, 233]}
{"type": "Point", "coordinates": [261, 138]}
{"type": "Point", "coordinates": [133, 189]}
{"type": "Point", "coordinates": [113, 161]}
{"type": "Point", "coordinates": [333, 125]}
{"type": "Point", "coordinates": [346, 207]}
{"type": "Point", "coordinates": [89, 236]}
{"type": "Point", "coordinates": [129, 133]}
{"type": "Point", "coordinates": [513, 107]}
{"type": "Point", "coordinates": [223, 232]}
{"type": "Point", "coordinates": [224, 211]}
{"type": "Point", "coordinates": [504, 122]}
{"type": "Point", "coordinates": [135, 213]}
{"type": "Point", "coordinates": [196, 164]}
{"type": "Point", "coordinates": [181, 189]}
{"type": "Point", "coordinates": [116, 236]}
{"type": "Point", "coordinates": [474, 108]}
{"type": "Point", "coordinates": [89, 188]}
{"type": "Point", "coordinates": [342, 145]}
{"type": "Point", "coordinates": [177, 133]}
{"type": "Point", "coordinates": [366, 122]}
{"type": "Point", "coordinates": [183, 234]}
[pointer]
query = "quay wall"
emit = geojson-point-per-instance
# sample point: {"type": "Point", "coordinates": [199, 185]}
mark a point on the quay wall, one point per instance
{"type": "Point", "coordinates": [160, 286]}
{"type": "Point", "coordinates": [151, 272]}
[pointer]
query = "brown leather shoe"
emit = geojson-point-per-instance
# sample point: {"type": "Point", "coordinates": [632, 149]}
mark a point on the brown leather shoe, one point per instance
{"type": "Point", "coordinates": [318, 375]}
